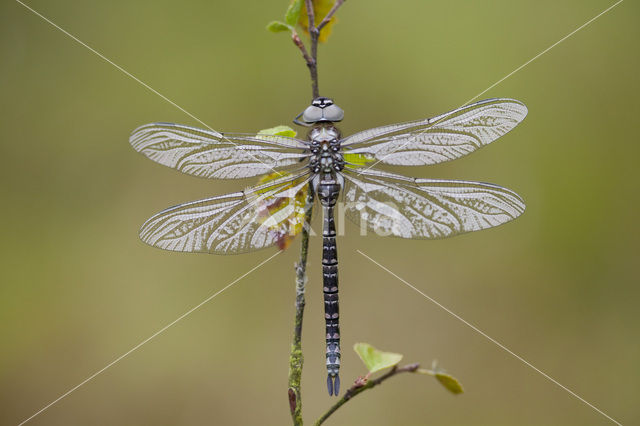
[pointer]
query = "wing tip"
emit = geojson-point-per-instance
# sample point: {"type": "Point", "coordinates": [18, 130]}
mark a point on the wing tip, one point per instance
{"type": "Point", "coordinates": [135, 133]}
{"type": "Point", "coordinates": [138, 133]}
{"type": "Point", "coordinates": [521, 108]}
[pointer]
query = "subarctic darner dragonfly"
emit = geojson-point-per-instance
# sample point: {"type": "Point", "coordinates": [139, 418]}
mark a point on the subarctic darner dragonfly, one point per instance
{"type": "Point", "coordinates": [334, 169]}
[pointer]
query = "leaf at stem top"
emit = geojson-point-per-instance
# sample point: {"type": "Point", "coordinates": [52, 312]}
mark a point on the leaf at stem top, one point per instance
{"type": "Point", "coordinates": [374, 359]}
{"type": "Point", "coordinates": [320, 9]}
{"type": "Point", "coordinates": [293, 12]}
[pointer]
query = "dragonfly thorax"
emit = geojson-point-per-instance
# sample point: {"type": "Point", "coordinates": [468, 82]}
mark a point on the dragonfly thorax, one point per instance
{"type": "Point", "coordinates": [325, 149]}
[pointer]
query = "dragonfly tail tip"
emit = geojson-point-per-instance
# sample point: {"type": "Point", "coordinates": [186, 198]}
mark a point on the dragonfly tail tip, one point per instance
{"type": "Point", "coordinates": [333, 384]}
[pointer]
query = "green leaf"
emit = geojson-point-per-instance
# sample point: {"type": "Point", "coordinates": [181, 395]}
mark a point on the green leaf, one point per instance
{"type": "Point", "coordinates": [374, 359]}
{"type": "Point", "coordinates": [278, 27]}
{"type": "Point", "coordinates": [293, 12]}
{"type": "Point", "coordinates": [447, 380]}
{"type": "Point", "coordinates": [451, 383]}
{"type": "Point", "coordinates": [279, 131]}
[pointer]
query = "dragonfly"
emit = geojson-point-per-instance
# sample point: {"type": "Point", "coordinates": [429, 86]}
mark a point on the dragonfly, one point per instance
{"type": "Point", "coordinates": [330, 169]}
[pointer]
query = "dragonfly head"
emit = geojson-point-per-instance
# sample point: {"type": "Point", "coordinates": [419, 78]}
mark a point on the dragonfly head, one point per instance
{"type": "Point", "coordinates": [321, 110]}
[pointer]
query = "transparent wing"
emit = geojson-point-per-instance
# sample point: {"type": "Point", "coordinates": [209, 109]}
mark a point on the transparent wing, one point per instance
{"type": "Point", "coordinates": [438, 139]}
{"type": "Point", "coordinates": [211, 154]}
{"type": "Point", "coordinates": [405, 207]}
{"type": "Point", "coordinates": [256, 218]}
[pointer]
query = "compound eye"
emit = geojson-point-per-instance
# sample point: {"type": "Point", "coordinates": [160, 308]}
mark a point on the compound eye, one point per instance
{"type": "Point", "coordinates": [312, 114]}
{"type": "Point", "coordinates": [333, 113]}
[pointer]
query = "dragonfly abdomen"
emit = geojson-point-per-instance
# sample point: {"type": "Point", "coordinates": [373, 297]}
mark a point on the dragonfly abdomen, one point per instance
{"type": "Point", "coordinates": [331, 307]}
{"type": "Point", "coordinates": [328, 190]}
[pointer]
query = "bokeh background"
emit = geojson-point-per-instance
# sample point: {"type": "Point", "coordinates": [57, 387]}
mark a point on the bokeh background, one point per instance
{"type": "Point", "coordinates": [559, 286]}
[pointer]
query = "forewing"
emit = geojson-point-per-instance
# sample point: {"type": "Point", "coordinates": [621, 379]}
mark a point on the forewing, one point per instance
{"type": "Point", "coordinates": [228, 224]}
{"type": "Point", "coordinates": [426, 208]}
{"type": "Point", "coordinates": [438, 139]}
{"type": "Point", "coordinates": [210, 154]}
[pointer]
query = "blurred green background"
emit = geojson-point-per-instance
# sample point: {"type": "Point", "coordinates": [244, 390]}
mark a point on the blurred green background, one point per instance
{"type": "Point", "coordinates": [559, 286]}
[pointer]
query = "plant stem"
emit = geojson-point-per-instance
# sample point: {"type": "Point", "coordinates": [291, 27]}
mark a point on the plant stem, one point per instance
{"type": "Point", "coordinates": [303, 49]}
{"type": "Point", "coordinates": [360, 386]}
{"type": "Point", "coordinates": [313, 33]}
{"type": "Point", "coordinates": [332, 12]}
{"type": "Point", "coordinates": [296, 358]}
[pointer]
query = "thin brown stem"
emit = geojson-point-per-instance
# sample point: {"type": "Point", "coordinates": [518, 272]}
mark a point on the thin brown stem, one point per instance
{"type": "Point", "coordinates": [310, 13]}
{"type": "Point", "coordinates": [362, 385]}
{"type": "Point", "coordinates": [313, 69]}
{"type": "Point", "coordinates": [296, 359]}
{"type": "Point", "coordinates": [298, 42]}
{"type": "Point", "coordinates": [332, 12]}
{"type": "Point", "coordinates": [313, 33]}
